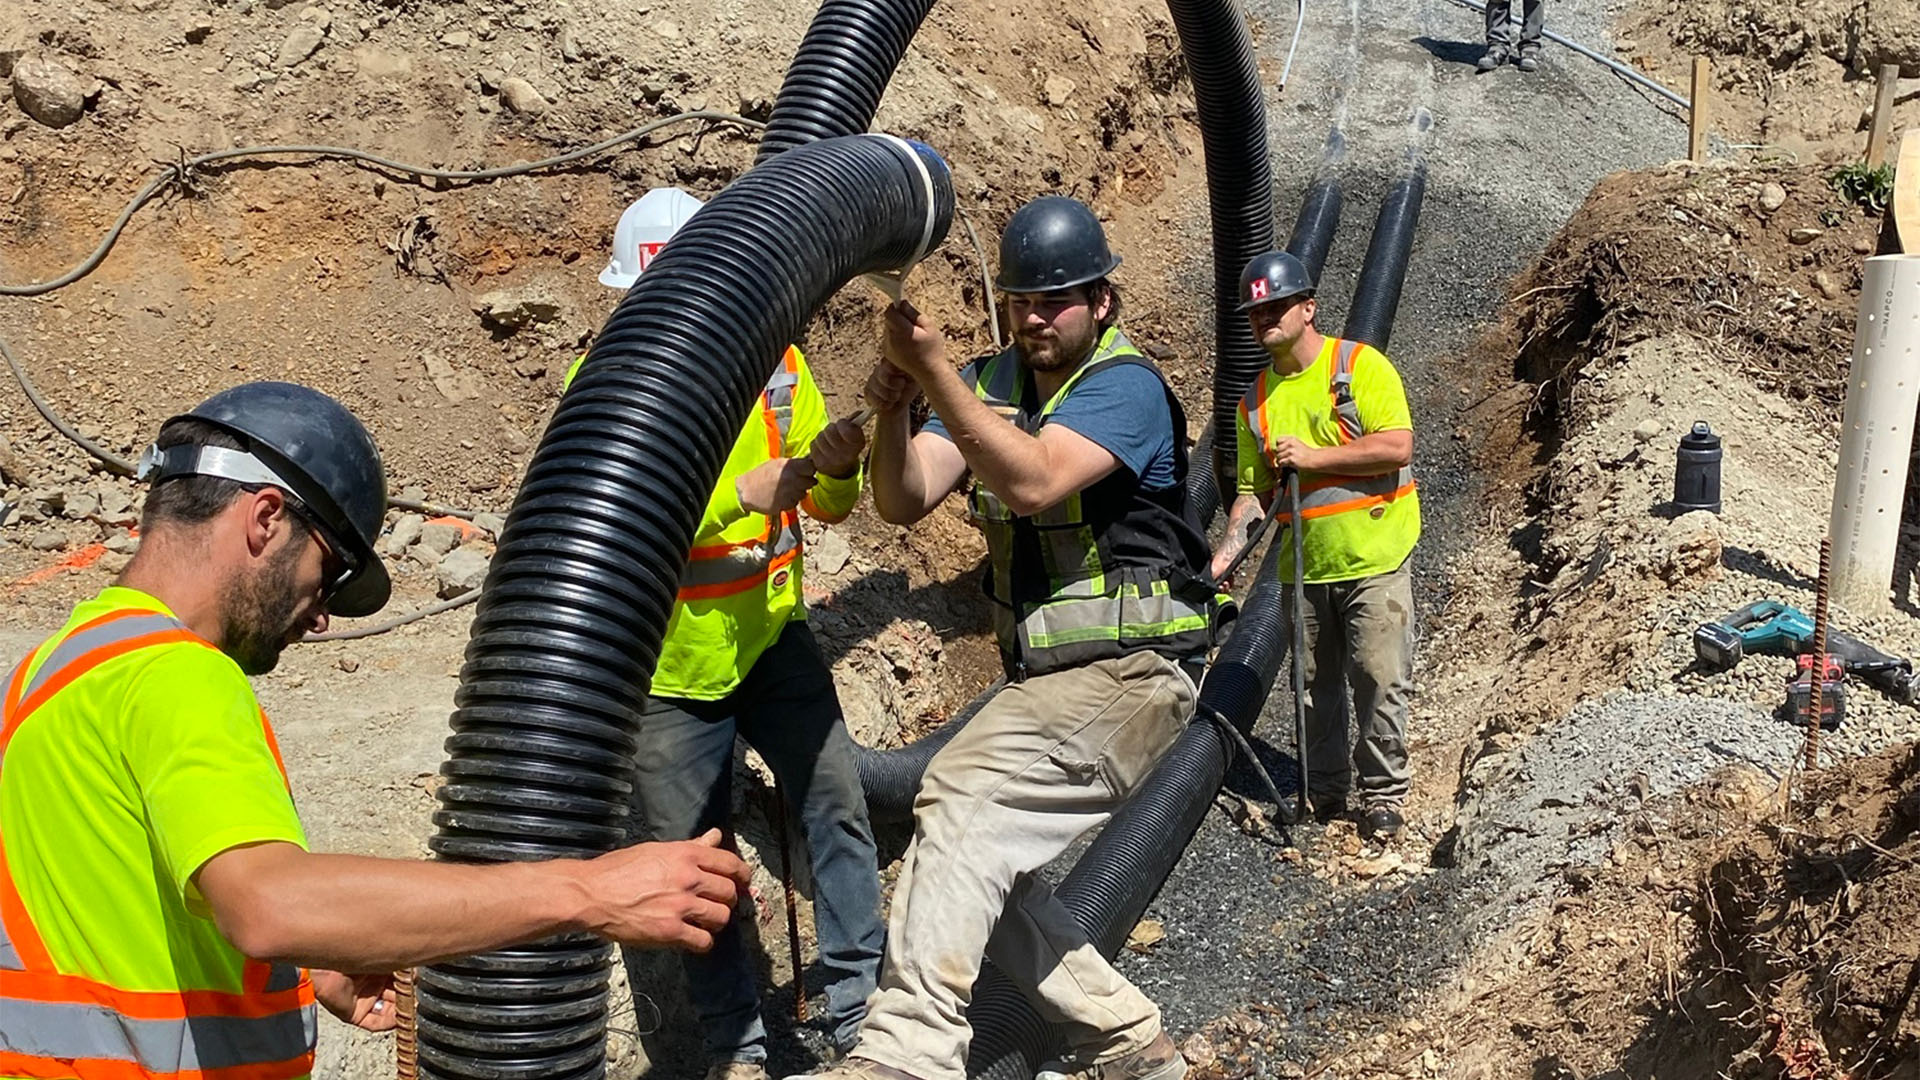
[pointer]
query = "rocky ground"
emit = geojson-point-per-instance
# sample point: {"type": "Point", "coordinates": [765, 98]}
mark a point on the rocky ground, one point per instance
{"type": "Point", "coordinates": [1582, 796]}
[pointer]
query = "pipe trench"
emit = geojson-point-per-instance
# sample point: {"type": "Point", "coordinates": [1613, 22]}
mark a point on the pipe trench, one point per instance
{"type": "Point", "coordinates": [574, 608]}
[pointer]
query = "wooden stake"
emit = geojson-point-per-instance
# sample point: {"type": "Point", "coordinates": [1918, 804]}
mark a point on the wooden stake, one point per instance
{"type": "Point", "coordinates": [1888, 79]}
{"type": "Point", "coordinates": [1906, 193]}
{"type": "Point", "coordinates": [1697, 115]}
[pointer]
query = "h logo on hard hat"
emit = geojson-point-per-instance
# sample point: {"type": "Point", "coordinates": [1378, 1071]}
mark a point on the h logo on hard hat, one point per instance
{"type": "Point", "coordinates": [650, 252]}
{"type": "Point", "coordinates": [1259, 289]}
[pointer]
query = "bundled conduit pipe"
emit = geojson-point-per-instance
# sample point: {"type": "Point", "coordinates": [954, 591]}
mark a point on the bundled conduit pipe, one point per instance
{"type": "Point", "coordinates": [1110, 887]}
{"type": "Point", "coordinates": [569, 625]}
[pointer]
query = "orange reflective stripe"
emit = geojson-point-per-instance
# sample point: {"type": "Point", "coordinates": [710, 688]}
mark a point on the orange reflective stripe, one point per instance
{"type": "Point", "coordinates": [54, 988]}
{"type": "Point", "coordinates": [273, 746]}
{"type": "Point", "coordinates": [40, 1068]}
{"type": "Point", "coordinates": [19, 929]}
{"type": "Point", "coordinates": [1361, 503]}
{"type": "Point", "coordinates": [14, 687]}
{"type": "Point", "coordinates": [729, 588]}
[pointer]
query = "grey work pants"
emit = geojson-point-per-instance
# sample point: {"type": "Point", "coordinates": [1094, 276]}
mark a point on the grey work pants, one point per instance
{"type": "Point", "coordinates": [1045, 761]}
{"type": "Point", "coordinates": [1359, 637]}
{"type": "Point", "coordinates": [1500, 26]}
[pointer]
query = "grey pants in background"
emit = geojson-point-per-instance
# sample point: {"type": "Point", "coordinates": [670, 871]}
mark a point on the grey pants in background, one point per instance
{"type": "Point", "coordinates": [1500, 29]}
{"type": "Point", "coordinates": [1359, 637]}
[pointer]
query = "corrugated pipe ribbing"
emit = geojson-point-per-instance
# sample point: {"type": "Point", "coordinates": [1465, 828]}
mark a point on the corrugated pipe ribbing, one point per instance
{"type": "Point", "coordinates": [572, 614]}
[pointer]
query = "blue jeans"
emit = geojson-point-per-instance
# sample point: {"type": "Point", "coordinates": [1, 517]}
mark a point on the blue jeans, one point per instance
{"type": "Point", "coordinates": [787, 710]}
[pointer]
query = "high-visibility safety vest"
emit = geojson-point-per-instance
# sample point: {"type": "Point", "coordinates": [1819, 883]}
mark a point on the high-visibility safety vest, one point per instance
{"type": "Point", "coordinates": [1111, 570]}
{"type": "Point", "coordinates": [742, 583]}
{"type": "Point", "coordinates": [1359, 526]}
{"type": "Point", "coordinates": [62, 1012]}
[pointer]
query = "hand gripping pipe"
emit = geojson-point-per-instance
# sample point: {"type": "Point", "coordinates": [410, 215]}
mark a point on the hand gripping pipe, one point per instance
{"type": "Point", "coordinates": [1112, 884]}
{"type": "Point", "coordinates": [571, 617]}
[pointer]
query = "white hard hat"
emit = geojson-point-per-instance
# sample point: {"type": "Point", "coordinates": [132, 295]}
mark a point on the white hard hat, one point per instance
{"type": "Point", "coordinates": [644, 229]}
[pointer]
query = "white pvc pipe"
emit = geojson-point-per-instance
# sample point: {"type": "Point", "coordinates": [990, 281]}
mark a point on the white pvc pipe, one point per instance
{"type": "Point", "coordinates": [1876, 440]}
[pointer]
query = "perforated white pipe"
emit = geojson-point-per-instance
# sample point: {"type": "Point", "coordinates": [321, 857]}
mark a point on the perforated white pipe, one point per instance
{"type": "Point", "coordinates": [1876, 440]}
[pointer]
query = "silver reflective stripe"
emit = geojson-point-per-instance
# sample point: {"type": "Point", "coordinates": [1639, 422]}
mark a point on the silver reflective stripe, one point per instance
{"type": "Point", "coordinates": [780, 399]}
{"type": "Point", "coordinates": [742, 563]}
{"type": "Point", "coordinates": [1354, 487]}
{"type": "Point", "coordinates": [66, 1031]}
{"type": "Point", "coordinates": [9, 956]}
{"type": "Point", "coordinates": [1341, 384]}
{"type": "Point", "coordinates": [78, 645]}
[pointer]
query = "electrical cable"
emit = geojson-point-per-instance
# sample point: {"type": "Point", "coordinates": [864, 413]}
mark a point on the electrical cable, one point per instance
{"type": "Point", "coordinates": [180, 174]}
{"type": "Point", "coordinates": [100, 453]}
{"type": "Point", "coordinates": [397, 622]}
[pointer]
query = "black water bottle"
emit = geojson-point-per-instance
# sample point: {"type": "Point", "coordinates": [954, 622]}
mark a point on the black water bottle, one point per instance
{"type": "Point", "coordinates": [1696, 473]}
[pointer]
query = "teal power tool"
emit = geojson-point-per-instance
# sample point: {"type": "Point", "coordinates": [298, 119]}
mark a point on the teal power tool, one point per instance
{"type": "Point", "coordinates": [1772, 628]}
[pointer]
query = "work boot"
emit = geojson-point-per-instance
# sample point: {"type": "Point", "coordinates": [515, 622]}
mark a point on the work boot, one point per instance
{"type": "Point", "coordinates": [858, 1068]}
{"type": "Point", "coordinates": [738, 1070]}
{"type": "Point", "coordinates": [1158, 1060]}
{"type": "Point", "coordinates": [1327, 808]}
{"type": "Point", "coordinates": [1497, 53]}
{"type": "Point", "coordinates": [1381, 822]}
{"type": "Point", "coordinates": [1529, 57]}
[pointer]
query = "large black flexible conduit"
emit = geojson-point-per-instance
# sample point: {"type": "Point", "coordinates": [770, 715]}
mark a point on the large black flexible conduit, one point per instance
{"type": "Point", "coordinates": [570, 622]}
{"type": "Point", "coordinates": [1312, 238]}
{"type": "Point", "coordinates": [1112, 884]}
{"type": "Point", "coordinates": [834, 84]}
{"type": "Point", "coordinates": [1370, 318]}
{"type": "Point", "coordinates": [1233, 132]}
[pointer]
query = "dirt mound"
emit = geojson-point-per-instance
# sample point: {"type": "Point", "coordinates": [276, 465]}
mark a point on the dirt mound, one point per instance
{"type": "Point", "coordinates": [1765, 261]}
{"type": "Point", "coordinates": [1789, 76]}
{"type": "Point", "coordinates": [1816, 927]}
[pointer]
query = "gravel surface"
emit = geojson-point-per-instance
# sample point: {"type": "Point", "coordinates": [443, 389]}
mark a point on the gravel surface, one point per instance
{"type": "Point", "coordinates": [1509, 157]}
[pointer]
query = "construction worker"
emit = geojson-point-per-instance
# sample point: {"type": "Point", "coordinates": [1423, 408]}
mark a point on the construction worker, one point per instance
{"type": "Point", "coordinates": [157, 901]}
{"type": "Point", "coordinates": [1501, 44]}
{"type": "Point", "coordinates": [1077, 450]}
{"type": "Point", "coordinates": [739, 659]}
{"type": "Point", "coordinates": [1333, 414]}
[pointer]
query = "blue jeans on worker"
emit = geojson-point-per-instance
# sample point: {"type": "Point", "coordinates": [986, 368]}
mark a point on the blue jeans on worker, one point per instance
{"type": "Point", "coordinates": [786, 709]}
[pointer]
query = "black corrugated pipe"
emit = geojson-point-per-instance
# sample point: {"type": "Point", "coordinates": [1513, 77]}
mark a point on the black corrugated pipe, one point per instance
{"type": "Point", "coordinates": [1377, 297]}
{"type": "Point", "coordinates": [1233, 133]}
{"type": "Point", "coordinates": [834, 84]}
{"type": "Point", "coordinates": [891, 778]}
{"type": "Point", "coordinates": [1123, 870]}
{"type": "Point", "coordinates": [1311, 240]}
{"type": "Point", "coordinates": [569, 625]}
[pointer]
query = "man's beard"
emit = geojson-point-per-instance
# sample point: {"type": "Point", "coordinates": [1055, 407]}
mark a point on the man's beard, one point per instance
{"type": "Point", "coordinates": [1054, 354]}
{"type": "Point", "coordinates": [258, 613]}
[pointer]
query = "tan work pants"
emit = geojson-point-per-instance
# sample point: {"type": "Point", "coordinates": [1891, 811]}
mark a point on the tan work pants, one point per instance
{"type": "Point", "coordinates": [1045, 761]}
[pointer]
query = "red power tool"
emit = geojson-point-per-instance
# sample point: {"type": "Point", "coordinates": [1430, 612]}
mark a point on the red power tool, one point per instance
{"type": "Point", "coordinates": [1833, 689]}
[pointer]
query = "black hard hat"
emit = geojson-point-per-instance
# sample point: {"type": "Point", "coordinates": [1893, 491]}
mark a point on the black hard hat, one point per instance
{"type": "Point", "coordinates": [1275, 275]}
{"type": "Point", "coordinates": [1052, 243]}
{"type": "Point", "coordinates": [306, 443]}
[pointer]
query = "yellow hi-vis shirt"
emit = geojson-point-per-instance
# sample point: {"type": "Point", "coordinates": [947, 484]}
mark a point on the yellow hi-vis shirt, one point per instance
{"type": "Point", "coordinates": [1356, 526]}
{"type": "Point", "coordinates": [743, 581]}
{"type": "Point", "coordinates": [131, 753]}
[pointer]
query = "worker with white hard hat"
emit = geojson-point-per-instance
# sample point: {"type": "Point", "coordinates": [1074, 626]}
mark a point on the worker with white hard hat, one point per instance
{"type": "Point", "coordinates": [739, 659]}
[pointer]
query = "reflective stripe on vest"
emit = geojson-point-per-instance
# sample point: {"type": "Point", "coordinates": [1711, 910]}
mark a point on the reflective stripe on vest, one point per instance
{"type": "Point", "coordinates": [1091, 611]}
{"type": "Point", "coordinates": [715, 570]}
{"type": "Point", "coordinates": [1330, 493]}
{"type": "Point", "coordinates": [62, 1025]}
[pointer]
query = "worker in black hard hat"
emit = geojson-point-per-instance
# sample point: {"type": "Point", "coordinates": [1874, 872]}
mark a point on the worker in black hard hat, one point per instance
{"type": "Point", "coordinates": [1077, 451]}
{"type": "Point", "coordinates": [1334, 414]}
{"type": "Point", "coordinates": [155, 878]}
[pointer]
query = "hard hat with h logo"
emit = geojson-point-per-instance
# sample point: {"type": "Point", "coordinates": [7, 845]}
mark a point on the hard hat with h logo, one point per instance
{"type": "Point", "coordinates": [644, 228]}
{"type": "Point", "coordinates": [1275, 275]}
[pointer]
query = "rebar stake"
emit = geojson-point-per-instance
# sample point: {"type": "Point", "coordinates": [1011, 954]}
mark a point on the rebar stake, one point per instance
{"type": "Point", "coordinates": [1816, 701]}
{"type": "Point", "coordinates": [406, 1046]}
{"type": "Point", "coordinates": [793, 914]}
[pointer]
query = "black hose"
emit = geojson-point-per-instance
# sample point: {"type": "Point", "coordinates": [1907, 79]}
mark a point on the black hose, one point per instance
{"type": "Point", "coordinates": [1320, 209]}
{"type": "Point", "coordinates": [576, 602]}
{"type": "Point", "coordinates": [891, 778]}
{"type": "Point", "coordinates": [834, 84]}
{"type": "Point", "coordinates": [1382, 276]}
{"type": "Point", "coordinates": [1233, 132]}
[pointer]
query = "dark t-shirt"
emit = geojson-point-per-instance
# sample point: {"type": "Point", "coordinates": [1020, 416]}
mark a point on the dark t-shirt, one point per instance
{"type": "Point", "coordinates": [1123, 409]}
